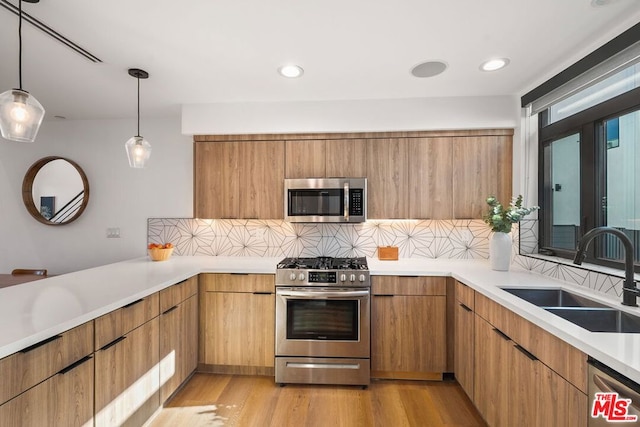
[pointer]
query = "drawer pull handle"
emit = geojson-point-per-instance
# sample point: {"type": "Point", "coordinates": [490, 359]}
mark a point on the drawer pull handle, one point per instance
{"type": "Point", "coordinates": [502, 334]}
{"type": "Point", "coordinates": [239, 274]}
{"type": "Point", "coordinates": [74, 365]}
{"type": "Point", "coordinates": [170, 310]}
{"type": "Point", "coordinates": [133, 303]}
{"type": "Point", "coordinates": [40, 344]}
{"type": "Point", "coordinates": [112, 343]}
{"type": "Point", "coordinates": [525, 352]}
{"type": "Point", "coordinates": [383, 295]}
{"type": "Point", "coordinates": [263, 293]}
{"type": "Point", "coordinates": [465, 307]}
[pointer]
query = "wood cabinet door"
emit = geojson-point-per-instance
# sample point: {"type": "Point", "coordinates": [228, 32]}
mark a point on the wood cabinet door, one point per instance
{"type": "Point", "coordinates": [560, 403]}
{"type": "Point", "coordinates": [346, 158]}
{"type": "Point", "coordinates": [305, 159]}
{"type": "Point", "coordinates": [216, 183]}
{"type": "Point", "coordinates": [387, 179]}
{"type": "Point", "coordinates": [464, 347]}
{"type": "Point", "coordinates": [66, 399]}
{"type": "Point", "coordinates": [408, 336]}
{"type": "Point", "coordinates": [127, 378]}
{"type": "Point", "coordinates": [261, 180]}
{"type": "Point", "coordinates": [178, 345]}
{"type": "Point", "coordinates": [430, 178]}
{"type": "Point", "coordinates": [491, 375]}
{"type": "Point", "coordinates": [240, 329]}
{"type": "Point", "coordinates": [524, 388]}
{"type": "Point", "coordinates": [481, 168]}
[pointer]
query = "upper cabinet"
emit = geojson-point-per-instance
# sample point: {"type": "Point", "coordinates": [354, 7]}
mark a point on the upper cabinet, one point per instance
{"type": "Point", "coordinates": [411, 175]}
{"type": "Point", "coordinates": [239, 179]}
{"type": "Point", "coordinates": [481, 167]}
{"type": "Point", "coordinates": [320, 158]}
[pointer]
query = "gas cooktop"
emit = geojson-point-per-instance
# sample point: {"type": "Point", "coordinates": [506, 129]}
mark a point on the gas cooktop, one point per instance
{"type": "Point", "coordinates": [324, 263]}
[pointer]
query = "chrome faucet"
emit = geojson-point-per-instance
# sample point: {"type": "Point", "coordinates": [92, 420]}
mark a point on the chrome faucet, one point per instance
{"type": "Point", "coordinates": [629, 290]}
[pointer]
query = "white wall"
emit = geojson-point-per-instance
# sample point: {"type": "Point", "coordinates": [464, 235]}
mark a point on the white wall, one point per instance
{"type": "Point", "coordinates": [351, 116]}
{"type": "Point", "coordinates": [119, 196]}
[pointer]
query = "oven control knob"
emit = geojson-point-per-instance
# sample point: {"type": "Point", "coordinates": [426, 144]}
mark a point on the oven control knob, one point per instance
{"type": "Point", "coordinates": [362, 278]}
{"type": "Point", "coordinates": [343, 277]}
{"type": "Point", "coordinates": [301, 277]}
{"type": "Point", "coordinates": [352, 278]}
{"type": "Point", "coordinates": [292, 276]}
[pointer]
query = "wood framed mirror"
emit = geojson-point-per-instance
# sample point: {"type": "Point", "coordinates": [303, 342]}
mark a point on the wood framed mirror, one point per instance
{"type": "Point", "coordinates": [55, 190]}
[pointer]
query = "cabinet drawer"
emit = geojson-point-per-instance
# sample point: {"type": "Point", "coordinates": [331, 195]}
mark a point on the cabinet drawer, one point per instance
{"type": "Point", "coordinates": [408, 285]}
{"type": "Point", "coordinates": [117, 323]}
{"type": "Point", "coordinates": [465, 295]}
{"type": "Point", "coordinates": [66, 399]}
{"type": "Point", "coordinates": [28, 367]}
{"type": "Point", "coordinates": [177, 293]}
{"type": "Point", "coordinates": [560, 356]}
{"type": "Point", "coordinates": [238, 282]}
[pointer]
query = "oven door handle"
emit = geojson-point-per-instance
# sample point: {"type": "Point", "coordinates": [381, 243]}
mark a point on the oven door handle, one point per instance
{"type": "Point", "coordinates": [322, 294]}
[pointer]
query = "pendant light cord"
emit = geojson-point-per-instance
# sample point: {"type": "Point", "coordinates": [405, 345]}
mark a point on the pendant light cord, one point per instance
{"type": "Point", "coordinates": [138, 106]}
{"type": "Point", "coordinates": [20, 44]}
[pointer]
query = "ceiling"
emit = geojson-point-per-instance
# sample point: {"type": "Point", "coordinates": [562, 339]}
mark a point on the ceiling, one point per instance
{"type": "Point", "coordinates": [218, 51]}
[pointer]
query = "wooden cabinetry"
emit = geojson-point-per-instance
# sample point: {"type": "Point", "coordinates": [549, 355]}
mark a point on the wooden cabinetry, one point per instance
{"type": "Point", "coordinates": [430, 178]}
{"type": "Point", "coordinates": [481, 167]}
{"type": "Point", "coordinates": [546, 377]}
{"type": "Point", "coordinates": [127, 377]}
{"type": "Point", "coordinates": [239, 179]}
{"type": "Point", "coordinates": [178, 335]}
{"type": "Point", "coordinates": [50, 383]}
{"type": "Point", "coordinates": [238, 323]}
{"type": "Point", "coordinates": [408, 327]}
{"type": "Point", "coordinates": [388, 178]}
{"type": "Point", "coordinates": [464, 338]}
{"type": "Point", "coordinates": [326, 158]}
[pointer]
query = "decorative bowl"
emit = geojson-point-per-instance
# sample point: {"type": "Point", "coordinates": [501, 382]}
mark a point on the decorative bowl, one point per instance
{"type": "Point", "coordinates": [158, 254]}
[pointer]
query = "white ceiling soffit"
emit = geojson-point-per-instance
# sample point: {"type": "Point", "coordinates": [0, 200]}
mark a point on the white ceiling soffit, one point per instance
{"type": "Point", "coordinates": [223, 51]}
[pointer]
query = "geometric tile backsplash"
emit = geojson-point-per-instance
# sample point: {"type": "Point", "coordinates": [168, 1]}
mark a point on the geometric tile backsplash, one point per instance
{"type": "Point", "coordinates": [457, 239]}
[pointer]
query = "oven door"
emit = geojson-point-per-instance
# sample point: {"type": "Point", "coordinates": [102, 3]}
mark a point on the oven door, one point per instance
{"type": "Point", "coordinates": [322, 322]}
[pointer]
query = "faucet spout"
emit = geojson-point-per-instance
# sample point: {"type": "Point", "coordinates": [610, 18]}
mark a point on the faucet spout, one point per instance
{"type": "Point", "coordinates": [629, 290]}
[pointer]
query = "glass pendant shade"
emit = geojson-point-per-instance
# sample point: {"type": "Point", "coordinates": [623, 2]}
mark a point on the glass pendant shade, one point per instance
{"type": "Point", "coordinates": [20, 115]}
{"type": "Point", "coordinates": [138, 151]}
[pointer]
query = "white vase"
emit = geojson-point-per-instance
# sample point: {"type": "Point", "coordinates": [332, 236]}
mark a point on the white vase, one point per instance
{"type": "Point", "coordinates": [500, 251]}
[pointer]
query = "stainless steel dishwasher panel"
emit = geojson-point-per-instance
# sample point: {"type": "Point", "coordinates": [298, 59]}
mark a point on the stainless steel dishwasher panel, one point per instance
{"type": "Point", "coordinates": [614, 400]}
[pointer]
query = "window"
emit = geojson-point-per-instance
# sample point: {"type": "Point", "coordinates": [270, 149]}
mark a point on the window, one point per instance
{"type": "Point", "coordinates": [590, 177]}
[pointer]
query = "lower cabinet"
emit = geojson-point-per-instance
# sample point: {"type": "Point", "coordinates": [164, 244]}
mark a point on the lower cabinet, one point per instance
{"type": "Point", "coordinates": [239, 323]}
{"type": "Point", "coordinates": [514, 375]}
{"type": "Point", "coordinates": [178, 345]}
{"type": "Point", "coordinates": [65, 399]}
{"type": "Point", "coordinates": [464, 338]}
{"type": "Point", "coordinates": [127, 378]}
{"type": "Point", "coordinates": [408, 327]}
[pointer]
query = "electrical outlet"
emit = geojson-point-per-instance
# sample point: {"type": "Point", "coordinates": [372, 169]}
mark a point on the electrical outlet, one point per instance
{"type": "Point", "coordinates": [113, 233]}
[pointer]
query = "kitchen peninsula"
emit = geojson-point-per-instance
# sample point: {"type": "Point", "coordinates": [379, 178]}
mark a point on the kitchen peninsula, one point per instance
{"type": "Point", "coordinates": [36, 312]}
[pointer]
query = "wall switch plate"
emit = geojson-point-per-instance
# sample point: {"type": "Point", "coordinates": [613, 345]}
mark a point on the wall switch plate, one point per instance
{"type": "Point", "coordinates": [113, 233]}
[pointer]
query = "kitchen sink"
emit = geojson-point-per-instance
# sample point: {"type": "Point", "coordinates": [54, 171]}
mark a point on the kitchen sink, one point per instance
{"type": "Point", "coordinates": [553, 298]}
{"type": "Point", "coordinates": [600, 319]}
{"type": "Point", "coordinates": [582, 311]}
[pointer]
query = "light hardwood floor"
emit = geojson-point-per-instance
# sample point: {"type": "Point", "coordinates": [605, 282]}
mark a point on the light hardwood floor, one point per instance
{"type": "Point", "coordinates": [233, 400]}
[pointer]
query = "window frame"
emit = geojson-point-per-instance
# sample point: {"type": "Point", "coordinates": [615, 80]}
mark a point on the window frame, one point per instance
{"type": "Point", "coordinates": [589, 124]}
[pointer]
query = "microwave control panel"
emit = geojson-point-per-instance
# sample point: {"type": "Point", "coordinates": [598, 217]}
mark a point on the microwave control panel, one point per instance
{"type": "Point", "coordinates": [356, 205]}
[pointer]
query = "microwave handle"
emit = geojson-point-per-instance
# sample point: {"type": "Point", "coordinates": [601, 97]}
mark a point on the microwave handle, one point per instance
{"type": "Point", "coordinates": [346, 201]}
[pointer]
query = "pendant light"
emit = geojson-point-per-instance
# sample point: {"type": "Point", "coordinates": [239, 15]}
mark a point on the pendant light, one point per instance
{"type": "Point", "coordinates": [20, 113]}
{"type": "Point", "coordinates": [138, 148]}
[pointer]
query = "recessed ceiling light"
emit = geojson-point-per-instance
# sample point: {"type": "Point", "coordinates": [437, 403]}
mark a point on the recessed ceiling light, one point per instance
{"type": "Point", "coordinates": [428, 69]}
{"type": "Point", "coordinates": [291, 71]}
{"type": "Point", "coordinates": [494, 64]}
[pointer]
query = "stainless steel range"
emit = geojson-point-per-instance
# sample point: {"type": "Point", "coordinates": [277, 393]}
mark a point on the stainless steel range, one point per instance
{"type": "Point", "coordinates": [323, 321]}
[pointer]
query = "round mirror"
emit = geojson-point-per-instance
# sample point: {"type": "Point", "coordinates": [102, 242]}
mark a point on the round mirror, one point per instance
{"type": "Point", "coordinates": [55, 190]}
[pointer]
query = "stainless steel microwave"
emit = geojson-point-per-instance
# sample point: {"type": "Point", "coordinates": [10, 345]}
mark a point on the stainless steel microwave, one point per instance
{"type": "Point", "coordinates": [325, 200]}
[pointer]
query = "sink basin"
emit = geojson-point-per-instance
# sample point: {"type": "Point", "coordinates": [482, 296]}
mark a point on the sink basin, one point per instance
{"type": "Point", "coordinates": [553, 298]}
{"type": "Point", "coordinates": [600, 319]}
{"type": "Point", "coordinates": [582, 311]}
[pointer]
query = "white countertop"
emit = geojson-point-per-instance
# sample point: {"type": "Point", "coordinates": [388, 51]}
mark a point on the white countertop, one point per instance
{"type": "Point", "coordinates": [34, 311]}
